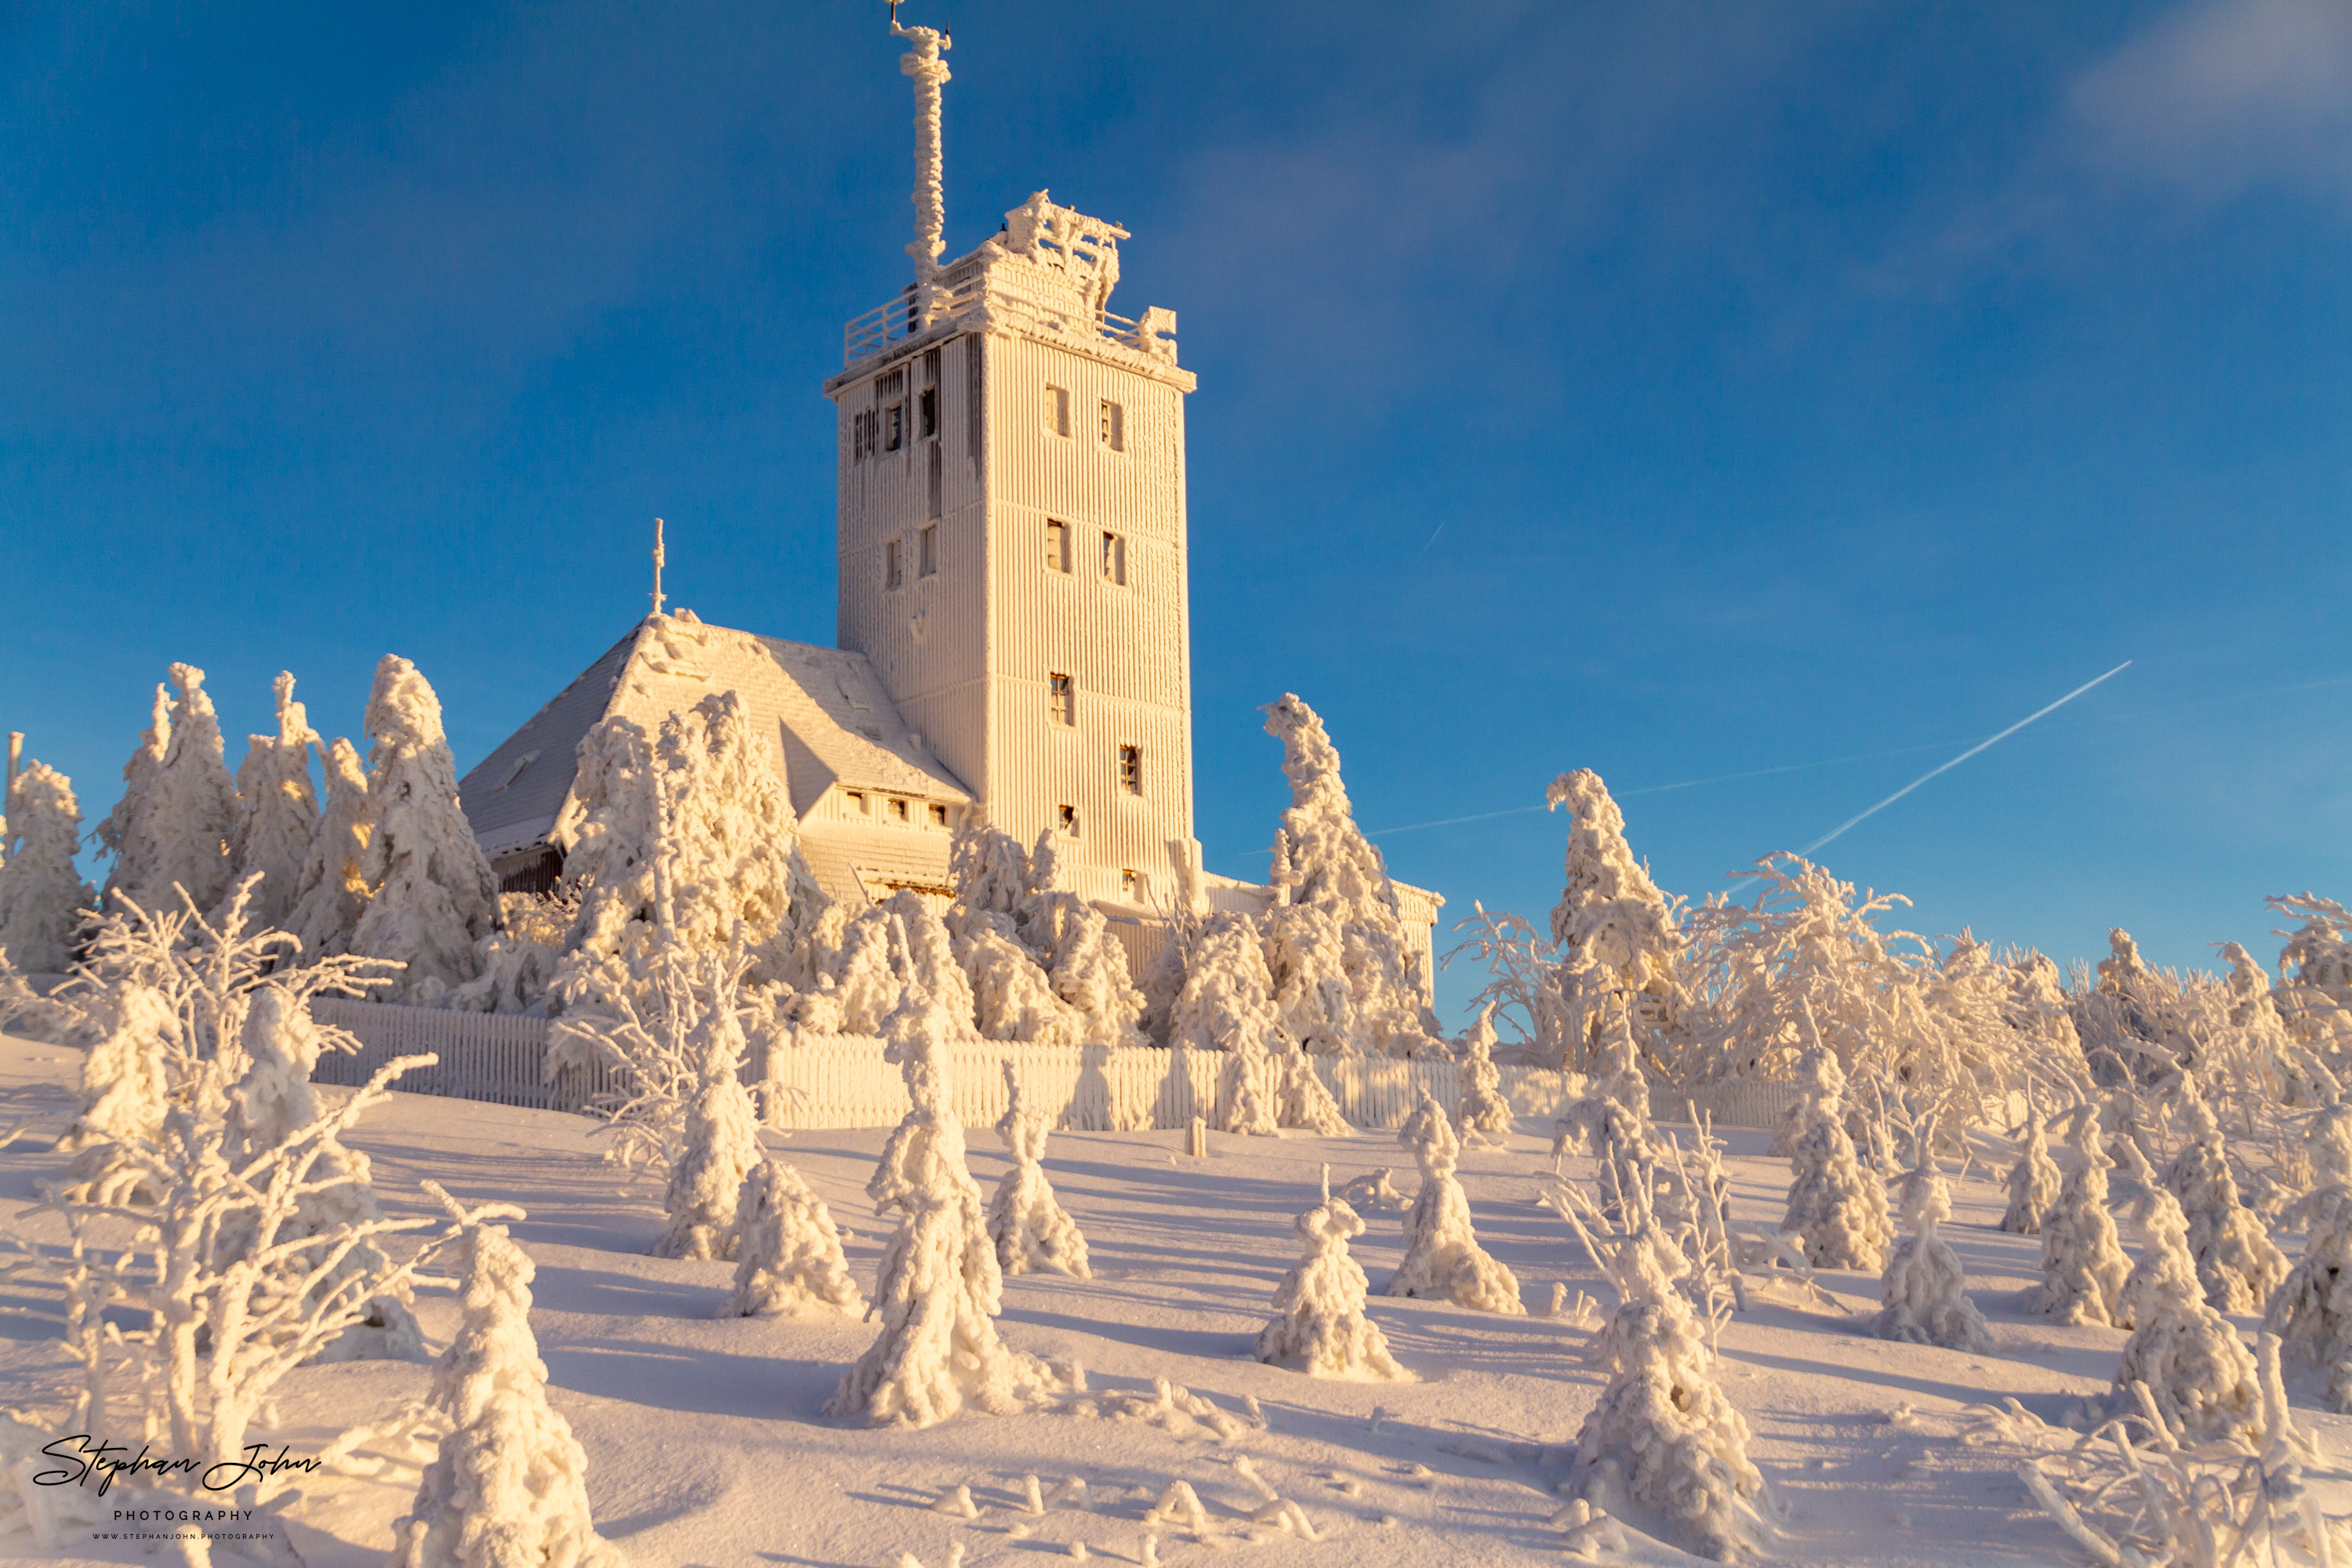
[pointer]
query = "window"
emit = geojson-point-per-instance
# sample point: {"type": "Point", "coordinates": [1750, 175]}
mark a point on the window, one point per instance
{"type": "Point", "coordinates": [938, 816]}
{"type": "Point", "coordinates": [1061, 699]}
{"type": "Point", "coordinates": [926, 413]}
{"type": "Point", "coordinates": [1114, 558]}
{"type": "Point", "coordinates": [1057, 412]}
{"type": "Point", "coordinates": [1065, 820]}
{"type": "Point", "coordinates": [853, 802]}
{"type": "Point", "coordinates": [894, 426]}
{"type": "Point", "coordinates": [894, 565]}
{"type": "Point", "coordinates": [1130, 769]}
{"type": "Point", "coordinates": [898, 811]}
{"type": "Point", "coordinates": [1132, 887]}
{"type": "Point", "coordinates": [1057, 547]}
{"type": "Point", "coordinates": [927, 550]}
{"type": "Point", "coordinates": [1114, 425]}
{"type": "Point", "coordinates": [862, 426]}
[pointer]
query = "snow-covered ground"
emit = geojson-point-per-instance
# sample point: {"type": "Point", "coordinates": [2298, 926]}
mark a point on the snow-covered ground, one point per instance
{"type": "Point", "coordinates": [705, 1445]}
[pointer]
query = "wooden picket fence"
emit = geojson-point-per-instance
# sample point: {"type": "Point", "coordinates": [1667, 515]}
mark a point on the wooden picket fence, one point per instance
{"type": "Point", "coordinates": [832, 1081]}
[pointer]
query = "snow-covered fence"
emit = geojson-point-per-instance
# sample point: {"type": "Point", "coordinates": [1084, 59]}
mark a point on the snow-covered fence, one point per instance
{"type": "Point", "coordinates": [827, 1081]}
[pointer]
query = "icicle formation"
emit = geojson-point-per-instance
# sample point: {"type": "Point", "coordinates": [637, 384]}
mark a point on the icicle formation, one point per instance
{"type": "Point", "coordinates": [1615, 935]}
{"type": "Point", "coordinates": [2033, 1181]}
{"type": "Point", "coordinates": [940, 1286]}
{"type": "Point", "coordinates": [1319, 1325]}
{"type": "Point", "coordinates": [1663, 1436]}
{"type": "Point", "coordinates": [2083, 1262]}
{"type": "Point", "coordinates": [722, 1133]}
{"type": "Point", "coordinates": [277, 810]}
{"type": "Point", "coordinates": [42, 896]}
{"type": "Point", "coordinates": [787, 1249]}
{"type": "Point", "coordinates": [1612, 1124]}
{"type": "Point", "coordinates": [1335, 869]}
{"type": "Point", "coordinates": [1924, 1288]}
{"type": "Point", "coordinates": [1027, 1222]}
{"type": "Point", "coordinates": [434, 894]}
{"type": "Point", "coordinates": [2311, 1312]}
{"type": "Point", "coordinates": [2236, 1264]}
{"type": "Point", "coordinates": [1442, 1254]}
{"type": "Point", "coordinates": [1838, 1208]}
{"type": "Point", "coordinates": [508, 1486]}
{"type": "Point", "coordinates": [1484, 1114]}
{"type": "Point", "coordinates": [2190, 1358]}
{"type": "Point", "coordinates": [333, 891]}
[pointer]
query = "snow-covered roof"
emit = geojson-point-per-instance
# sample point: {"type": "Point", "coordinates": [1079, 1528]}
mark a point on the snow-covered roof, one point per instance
{"type": "Point", "coordinates": [825, 709]}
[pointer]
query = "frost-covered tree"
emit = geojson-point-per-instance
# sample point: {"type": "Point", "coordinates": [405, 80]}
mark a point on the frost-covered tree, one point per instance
{"type": "Point", "coordinates": [1301, 1098]}
{"type": "Point", "coordinates": [1923, 1290]}
{"type": "Point", "coordinates": [1611, 1123]}
{"type": "Point", "coordinates": [509, 1487]}
{"type": "Point", "coordinates": [1334, 867]}
{"type": "Point", "coordinates": [1838, 1208]}
{"type": "Point", "coordinates": [1442, 1254]}
{"type": "Point", "coordinates": [722, 1135]}
{"type": "Point", "coordinates": [1027, 1222]}
{"type": "Point", "coordinates": [42, 895]}
{"type": "Point", "coordinates": [1615, 932]}
{"type": "Point", "coordinates": [2190, 1358]}
{"type": "Point", "coordinates": [2237, 1267]}
{"type": "Point", "coordinates": [126, 1088]}
{"type": "Point", "coordinates": [2033, 1181]}
{"type": "Point", "coordinates": [1484, 1114]}
{"type": "Point", "coordinates": [127, 831]}
{"type": "Point", "coordinates": [2315, 992]}
{"type": "Point", "coordinates": [277, 810]}
{"type": "Point", "coordinates": [179, 805]}
{"type": "Point", "coordinates": [1306, 956]}
{"type": "Point", "coordinates": [331, 892]}
{"type": "Point", "coordinates": [1319, 1325]}
{"type": "Point", "coordinates": [787, 1249]}
{"type": "Point", "coordinates": [1227, 1005]}
{"type": "Point", "coordinates": [433, 895]}
{"type": "Point", "coordinates": [2310, 1312]}
{"type": "Point", "coordinates": [2083, 1262]}
{"type": "Point", "coordinates": [940, 1287]}
{"type": "Point", "coordinates": [1012, 998]}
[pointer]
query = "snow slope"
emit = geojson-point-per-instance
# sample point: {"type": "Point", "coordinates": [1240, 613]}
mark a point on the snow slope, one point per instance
{"type": "Point", "coordinates": [705, 1444]}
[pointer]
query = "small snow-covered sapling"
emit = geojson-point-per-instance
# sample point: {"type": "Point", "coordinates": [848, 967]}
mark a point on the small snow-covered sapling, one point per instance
{"type": "Point", "coordinates": [1319, 1327]}
{"type": "Point", "coordinates": [1441, 1257]}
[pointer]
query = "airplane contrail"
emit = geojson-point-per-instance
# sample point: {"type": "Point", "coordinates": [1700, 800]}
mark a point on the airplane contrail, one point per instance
{"type": "Point", "coordinates": [1963, 757]}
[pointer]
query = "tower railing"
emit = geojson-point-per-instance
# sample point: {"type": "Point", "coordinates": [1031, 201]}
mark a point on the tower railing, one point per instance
{"type": "Point", "coordinates": [871, 331]}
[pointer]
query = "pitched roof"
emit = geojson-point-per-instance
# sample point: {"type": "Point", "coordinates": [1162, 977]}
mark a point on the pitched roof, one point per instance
{"type": "Point", "coordinates": [823, 710]}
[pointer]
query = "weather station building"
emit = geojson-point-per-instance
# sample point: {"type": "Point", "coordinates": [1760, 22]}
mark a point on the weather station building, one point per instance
{"type": "Point", "coordinates": [1015, 635]}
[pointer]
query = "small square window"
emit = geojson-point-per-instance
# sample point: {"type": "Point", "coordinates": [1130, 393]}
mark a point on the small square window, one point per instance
{"type": "Point", "coordinates": [927, 550]}
{"type": "Point", "coordinates": [926, 413]}
{"type": "Point", "coordinates": [894, 565]}
{"type": "Point", "coordinates": [1131, 885]}
{"type": "Point", "coordinates": [898, 811]}
{"type": "Point", "coordinates": [1057, 547]}
{"type": "Point", "coordinates": [1065, 820]}
{"type": "Point", "coordinates": [1130, 769]}
{"type": "Point", "coordinates": [1057, 412]}
{"type": "Point", "coordinates": [894, 426]}
{"type": "Point", "coordinates": [1061, 699]}
{"type": "Point", "coordinates": [861, 434]}
{"type": "Point", "coordinates": [1114, 558]}
{"type": "Point", "coordinates": [853, 802]}
{"type": "Point", "coordinates": [939, 816]}
{"type": "Point", "coordinates": [1114, 425]}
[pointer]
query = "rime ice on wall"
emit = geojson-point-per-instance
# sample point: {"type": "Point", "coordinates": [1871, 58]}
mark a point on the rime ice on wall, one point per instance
{"type": "Point", "coordinates": [1319, 1325]}
{"type": "Point", "coordinates": [1616, 937]}
{"type": "Point", "coordinates": [1442, 1254]}
{"type": "Point", "coordinates": [42, 894]}
{"type": "Point", "coordinates": [277, 810]}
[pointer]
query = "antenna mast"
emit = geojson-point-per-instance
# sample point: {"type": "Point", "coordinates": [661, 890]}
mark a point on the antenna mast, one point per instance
{"type": "Point", "coordinates": [922, 62]}
{"type": "Point", "coordinates": [658, 565]}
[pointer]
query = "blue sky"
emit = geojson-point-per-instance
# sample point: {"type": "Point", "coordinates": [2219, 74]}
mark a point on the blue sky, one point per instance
{"type": "Point", "coordinates": [1679, 391]}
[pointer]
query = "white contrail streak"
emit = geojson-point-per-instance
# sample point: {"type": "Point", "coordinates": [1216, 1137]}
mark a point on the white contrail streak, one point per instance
{"type": "Point", "coordinates": [1963, 757]}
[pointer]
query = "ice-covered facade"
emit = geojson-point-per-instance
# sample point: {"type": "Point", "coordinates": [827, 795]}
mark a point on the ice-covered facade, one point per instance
{"type": "Point", "coordinates": [1013, 624]}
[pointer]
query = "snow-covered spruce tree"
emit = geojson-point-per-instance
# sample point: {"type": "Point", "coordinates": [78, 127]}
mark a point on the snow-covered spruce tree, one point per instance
{"type": "Point", "coordinates": [126, 1087]}
{"type": "Point", "coordinates": [1306, 957]}
{"type": "Point", "coordinates": [1484, 1114]}
{"type": "Point", "coordinates": [333, 891]}
{"type": "Point", "coordinates": [739, 867]}
{"type": "Point", "coordinates": [722, 1133]}
{"type": "Point", "coordinates": [1012, 998]}
{"type": "Point", "coordinates": [2033, 1181]}
{"type": "Point", "coordinates": [1319, 1325]}
{"type": "Point", "coordinates": [929, 959]}
{"type": "Point", "coordinates": [1663, 1436]}
{"type": "Point", "coordinates": [2310, 1312]}
{"type": "Point", "coordinates": [940, 1286]}
{"type": "Point", "coordinates": [433, 895]}
{"type": "Point", "coordinates": [1227, 1006]}
{"type": "Point", "coordinates": [2314, 991]}
{"type": "Point", "coordinates": [1615, 935]}
{"type": "Point", "coordinates": [1839, 1209]}
{"type": "Point", "coordinates": [1334, 867]}
{"type": "Point", "coordinates": [2190, 1358]}
{"type": "Point", "coordinates": [42, 896]}
{"type": "Point", "coordinates": [2236, 1265]}
{"type": "Point", "coordinates": [509, 1487]}
{"type": "Point", "coordinates": [1301, 1098]}
{"type": "Point", "coordinates": [1442, 1254]}
{"type": "Point", "coordinates": [127, 831]}
{"type": "Point", "coordinates": [1084, 962]}
{"type": "Point", "coordinates": [277, 810]}
{"type": "Point", "coordinates": [188, 810]}
{"type": "Point", "coordinates": [1027, 1222]}
{"type": "Point", "coordinates": [2083, 1262]}
{"type": "Point", "coordinates": [1611, 1123]}
{"type": "Point", "coordinates": [1925, 1301]}
{"type": "Point", "coordinates": [787, 1249]}
{"type": "Point", "coordinates": [610, 831]}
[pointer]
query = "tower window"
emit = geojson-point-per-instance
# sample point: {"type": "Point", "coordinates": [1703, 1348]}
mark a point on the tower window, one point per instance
{"type": "Point", "coordinates": [1065, 820]}
{"type": "Point", "coordinates": [1061, 699]}
{"type": "Point", "coordinates": [1114, 425]}
{"type": "Point", "coordinates": [927, 550]}
{"type": "Point", "coordinates": [853, 802]}
{"type": "Point", "coordinates": [1114, 558]}
{"type": "Point", "coordinates": [894, 426]}
{"type": "Point", "coordinates": [898, 811]}
{"type": "Point", "coordinates": [938, 816]}
{"type": "Point", "coordinates": [1057, 411]}
{"type": "Point", "coordinates": [1132, 886]}
{"type": "Point", "coordinates": [862, 426]}
{"type": "Point", "coordinates": [926, 413]}
{"type": "Point", "coordinates": [1057, 547]}
{"type": "Point", "coordinates": [894, 565]}
{"type": "Point", "coordinates": [1130, 769]}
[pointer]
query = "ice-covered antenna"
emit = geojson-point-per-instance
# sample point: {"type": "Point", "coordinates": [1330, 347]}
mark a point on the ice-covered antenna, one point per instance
{"type": "Point", "coordinates": [15, 756]}
{"type": "Point", "coordinates": [659, 560]}
{"type": "Point", "coordinates": [922, 62]}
